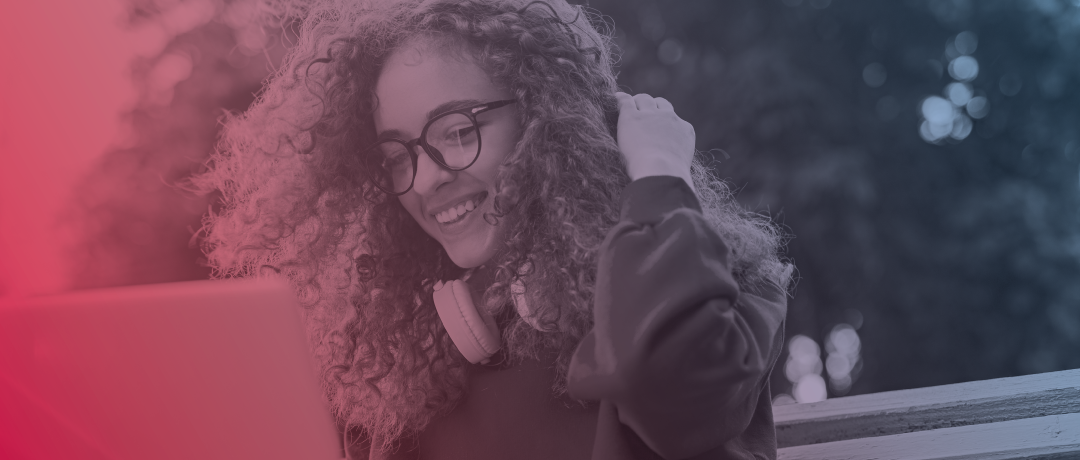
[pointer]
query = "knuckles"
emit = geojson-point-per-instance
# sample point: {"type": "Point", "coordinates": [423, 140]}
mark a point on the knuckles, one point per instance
{"type": "Point", "coordinates": [645, 133]}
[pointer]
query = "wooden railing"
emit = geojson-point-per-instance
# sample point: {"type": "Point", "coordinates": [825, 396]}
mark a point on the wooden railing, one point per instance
{"type": "Point", "coordinates": [1029, 417]}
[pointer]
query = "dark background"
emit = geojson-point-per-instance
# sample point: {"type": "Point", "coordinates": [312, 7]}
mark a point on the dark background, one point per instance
{"type": "Point", "coordinates": [955, 260]}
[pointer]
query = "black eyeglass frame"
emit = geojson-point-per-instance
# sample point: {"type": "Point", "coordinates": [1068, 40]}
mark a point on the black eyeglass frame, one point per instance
{"type": "Point", "coordinates": [432, 152]}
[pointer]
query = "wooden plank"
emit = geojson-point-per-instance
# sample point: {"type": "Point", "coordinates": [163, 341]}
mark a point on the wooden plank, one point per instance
{"type": "Point", "coordinates": [906, 411]}
{"type": "Point", "coordinates": [1051, 437]}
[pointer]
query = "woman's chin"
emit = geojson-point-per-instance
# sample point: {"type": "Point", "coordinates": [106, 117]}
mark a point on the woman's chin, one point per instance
{"type": "Point", "coordinates": [477, 249]}
{"type": "Point", "coordinates": [469, 257]}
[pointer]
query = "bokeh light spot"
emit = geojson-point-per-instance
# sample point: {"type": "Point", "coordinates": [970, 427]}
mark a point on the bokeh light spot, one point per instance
{"type": "Point", "coordinates": [803, 345]}
{"type": "Point", "coordinates": [937, 110]}
{"type": "Point", "coordinates": [670, 51]}
{"type": "Point", "coordinates": [841, 385]}
{"type": "Point", "coordinates": [958, 93]}
{"type": "Point", "coordinates": [1010, 84]}
{"type": "Point", "coordinates": [838, 365]}
{"type": "Point", "coordinates": [844, 340]}
{"type": "Point", "coordinates": [809, 389]}
{"type": "Point", "coordinates": [978, 107]}
{"type": "Point", "coordinates": [964, 68]}
{"type": "Point", "coordinates": [874, 75]}
{"type": "Point", "coordinates": [854, 318]}
{"type": "Point", "coordinates": [966, 42]}
{"type": "Point", "coordinates": [843, 346]}
{"type": "Point", "coordinates": [925, 134]}
{"type": "Point", "coordinates": [783, 399]}
{"type": "Point", "coordinates": [943, 118]}
{"type": "Point", "coordinates": [961, 128]}
{"type": "Point", "coordinates": [803, 369]}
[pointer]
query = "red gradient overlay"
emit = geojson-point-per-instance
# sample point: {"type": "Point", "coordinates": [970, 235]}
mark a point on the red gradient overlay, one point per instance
{"type": "Point", "coordinates": [64, 83]}
{"type": "Point", "coordinates": [200, 370]}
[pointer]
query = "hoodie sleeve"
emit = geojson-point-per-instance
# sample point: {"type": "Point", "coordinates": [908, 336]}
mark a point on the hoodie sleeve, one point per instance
{"type": "Point", "coordinates": [676, 348]}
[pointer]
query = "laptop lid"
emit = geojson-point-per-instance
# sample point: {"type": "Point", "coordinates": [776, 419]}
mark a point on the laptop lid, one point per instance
{"type": "Point", "coordinates": [193, 370]}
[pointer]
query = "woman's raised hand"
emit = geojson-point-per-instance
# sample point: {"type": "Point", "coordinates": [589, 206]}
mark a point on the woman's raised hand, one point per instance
{"type": "Point", "coordinates": [653, 140]}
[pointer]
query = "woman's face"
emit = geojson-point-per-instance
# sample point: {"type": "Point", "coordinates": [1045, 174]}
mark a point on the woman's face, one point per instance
{"type": "Point", "coordinates": [417, 83]}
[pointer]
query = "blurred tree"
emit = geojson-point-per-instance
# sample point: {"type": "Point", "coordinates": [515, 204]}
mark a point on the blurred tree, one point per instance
{"type": "Point", "coordinates": [963, 256]}
{"type": "Point", "coordinates": [136, 223]}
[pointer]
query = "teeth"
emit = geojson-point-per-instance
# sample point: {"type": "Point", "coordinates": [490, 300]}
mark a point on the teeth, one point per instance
{"type": "Point", "coordinates": [454, 213]}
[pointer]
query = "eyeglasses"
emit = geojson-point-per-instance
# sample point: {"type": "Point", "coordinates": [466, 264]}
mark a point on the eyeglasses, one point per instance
{"type": "Point", "coordinates": [451, 140]}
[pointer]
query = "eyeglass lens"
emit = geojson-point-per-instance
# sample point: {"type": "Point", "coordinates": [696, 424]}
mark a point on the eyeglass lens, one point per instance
{"type": "Point", "coordinates": [454, 142]}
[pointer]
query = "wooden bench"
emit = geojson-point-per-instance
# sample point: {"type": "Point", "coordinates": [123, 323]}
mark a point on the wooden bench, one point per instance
{"type": "Point", "coordinates": [1029, 417]}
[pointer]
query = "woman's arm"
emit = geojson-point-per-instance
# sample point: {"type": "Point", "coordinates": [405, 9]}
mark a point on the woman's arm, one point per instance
{"type": "Point", "coordinates": [679, 351]}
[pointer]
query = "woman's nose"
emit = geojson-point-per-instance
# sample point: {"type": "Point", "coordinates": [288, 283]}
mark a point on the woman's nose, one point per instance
{"type": "Point", "coordinates": [429, 175]}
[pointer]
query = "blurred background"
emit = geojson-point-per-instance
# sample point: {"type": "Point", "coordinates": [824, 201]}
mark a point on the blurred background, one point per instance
{"type": "Point", "coordinates": [923, 154]}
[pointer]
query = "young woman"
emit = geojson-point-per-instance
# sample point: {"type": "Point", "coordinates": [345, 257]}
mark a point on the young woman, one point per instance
{"type": "Point", "coordinates": [501, 256]}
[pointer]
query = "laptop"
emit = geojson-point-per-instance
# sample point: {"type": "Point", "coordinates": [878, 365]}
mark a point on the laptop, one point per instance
{"type": "Point", "coordinates": [195, 370]}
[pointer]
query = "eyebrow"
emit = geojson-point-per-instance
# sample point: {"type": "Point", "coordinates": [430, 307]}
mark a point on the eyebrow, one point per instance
{"type": "Point", "coordinates": [448, 106]}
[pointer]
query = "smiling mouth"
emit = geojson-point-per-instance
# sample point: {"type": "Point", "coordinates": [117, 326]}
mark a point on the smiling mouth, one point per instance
{"type": "Point", "coordinates": [457, 213]}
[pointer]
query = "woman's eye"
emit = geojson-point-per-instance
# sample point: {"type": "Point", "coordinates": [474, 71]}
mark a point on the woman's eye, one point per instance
{"type": "Point", "coordinates": [394, 158]}
{"type": "Point", "coordinates": [395, 162]}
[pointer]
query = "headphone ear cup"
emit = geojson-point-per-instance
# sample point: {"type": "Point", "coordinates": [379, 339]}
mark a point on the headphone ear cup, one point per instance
{"type": "Point", "coordinates": [476, 336]}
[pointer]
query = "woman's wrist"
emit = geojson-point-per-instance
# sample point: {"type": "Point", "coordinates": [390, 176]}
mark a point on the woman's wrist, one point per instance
{"type": "Point", "coordinates": [661, 166]}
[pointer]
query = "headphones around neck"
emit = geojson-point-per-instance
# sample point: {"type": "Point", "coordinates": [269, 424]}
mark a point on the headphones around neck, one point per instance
{"type": "Point", "coordinates": [475, 333]}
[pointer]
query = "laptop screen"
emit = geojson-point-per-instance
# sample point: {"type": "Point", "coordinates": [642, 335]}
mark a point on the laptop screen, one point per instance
{"type": "Point", "coordinates": [194, 370]}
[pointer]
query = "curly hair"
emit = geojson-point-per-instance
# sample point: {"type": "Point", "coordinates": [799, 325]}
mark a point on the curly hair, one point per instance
{"type": "Point", "coordinates": [296, 201]}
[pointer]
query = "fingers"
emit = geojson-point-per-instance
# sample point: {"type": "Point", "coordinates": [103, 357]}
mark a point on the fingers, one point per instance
{"type": "Point", "coordinates": [626, 101]}
{"type": "Point", "coordinates": [642, 101]}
